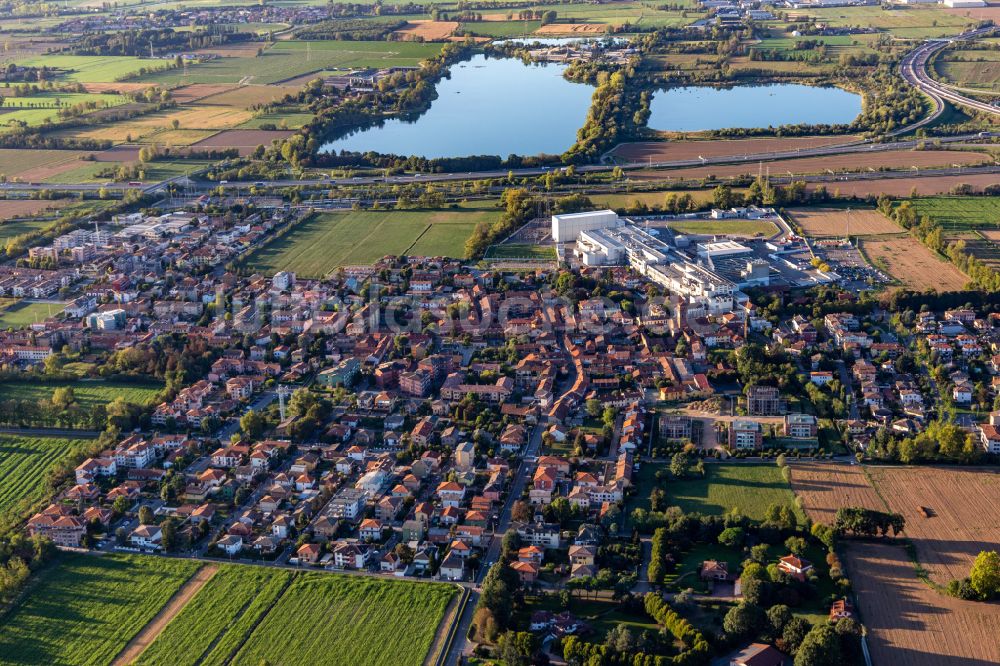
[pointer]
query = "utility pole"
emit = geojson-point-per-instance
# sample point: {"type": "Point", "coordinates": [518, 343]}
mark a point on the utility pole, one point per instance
{"type": "Point", "coordinates": [283, 392]}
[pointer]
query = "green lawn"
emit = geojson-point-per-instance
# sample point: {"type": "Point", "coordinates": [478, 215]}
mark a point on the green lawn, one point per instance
{"type": "Point", "coordinates": [329, 619]}
{"type": "Point", "coordinates": [12, 228]}
{"type": "Point", "coordinates": [521, 251]}
{"type": "Point", "coordinates": [960, 213]}
{"type": "Point", "coordinates": [25, 464]}
{"type": "Point", "coordinates": [17, 314]}
{"type": "Point", "coordinates": [88, 393]}
{"type": "Point", "coordinates": [95, 69]}
{"type": "Point", "coordinates": [325, 241]}
{"type": "Point", "coordinates": [86, 608]}
{"type": "Point", "coordinates": [734, 227]}
{"type": "Point", "coordinates": [290, 59]}
{"type": "Point", "coordinates": [218, 617]}
{"type": "Point", "coordinates": [749, 488]}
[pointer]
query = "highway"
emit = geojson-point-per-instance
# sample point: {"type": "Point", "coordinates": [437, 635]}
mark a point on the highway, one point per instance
{"type": "Point", "coordinates": [855, 146]}
{"type": "Point", "coordinates": [913, 69]}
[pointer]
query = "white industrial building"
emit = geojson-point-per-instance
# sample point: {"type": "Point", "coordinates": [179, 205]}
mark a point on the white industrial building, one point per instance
{"type": "Point", "coordinates": [566, 228]}
{"type": "Point", "coordinates": [964, 4]}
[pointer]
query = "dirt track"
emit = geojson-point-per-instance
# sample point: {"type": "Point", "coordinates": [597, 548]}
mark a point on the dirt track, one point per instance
{"type": "Point", "coordinates": [148, 634]}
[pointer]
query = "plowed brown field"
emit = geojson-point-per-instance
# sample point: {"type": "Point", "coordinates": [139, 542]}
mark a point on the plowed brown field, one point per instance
{"type": "Point", "coordinates": [901, 187]}
{"type": "Point", "coordinates": [835, 221]}
{"type": "Point", "coordinates": [824, 488]}
{"type": "Point", "coordinates": [905, 259]}
{"type": "Point", "coordinates": [909, 624]}
{"type": "Point", "coordinates": [663, 151]}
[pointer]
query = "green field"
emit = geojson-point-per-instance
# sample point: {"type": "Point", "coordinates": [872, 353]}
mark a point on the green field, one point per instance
{"type": "Point", "coordinates": [734, 227]}
{"type": "Point", "coordinates": [216, 621]}
{"type": "Point", "coordinates": [17, 314]}
{"type": "Point", "coordinates": [88, 393]}
{"type": "Point", "coordinates": [25, 463]}
{"type": "Point", "coordinates": [911, 22]}
{"type": "Point", "coordinates": [12, 228]}
{"type": "Point", "coordinates": [95, 69]}
{"type": "Point", "coordinates": [323, 242]}
{"type": "Point", "coordinates": [85, 609]}
{"type": "Point", "coordinates": [286, 60]}
{"type": "Point", "coordinates": [747, 487]}
{"type": "Point", "coordinates": [521, 251]}
{"type": "Point", "coordinates": [329, 619]}
{"type": "Point", "coordinates": [960, 213]}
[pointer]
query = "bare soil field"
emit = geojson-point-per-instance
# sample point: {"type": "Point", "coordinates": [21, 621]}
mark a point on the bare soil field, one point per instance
{"type": "Point", "coordinates": [429, 31]}
{"type": "Point", "coordinates": [991, 234]}
{"type": "Point", "coordinates": [47, 171]}
{"type": "Point", "coordinates": [23, 207]}
{"type": "Point", "coordinates": [910, 624]}
{"type": "Point", "coordinates": [820, 222]}
{"type": "Point", "coordinates": [990, 13]}
{"type": "Point", "coordinates": [824, 488]}
{"type": "Point", "coordinates": [902, 159]}
{"type": "Point", "coordinates": [196, 91]}
{"type": "Point", "coordinates": [916, 267]}
{"type": "Point", "coordinates": [116, 87]}
{"type": "Point", "coordinates": [965, 513]}
{"type": "Point", "coordinates": [245, 140]}
{"type": "Point", "coordinates": [176, 604]}
{"type": "Point", "coordinates": [123, 153]}
{"type": "Point", "coordinates": [901, 187]}
{"type": "Point", "coordinates": [246, 96]}
{"type": "Point", "coordinates": [573, 29]}
{"type": "Point", "coordinates": [690, 150]}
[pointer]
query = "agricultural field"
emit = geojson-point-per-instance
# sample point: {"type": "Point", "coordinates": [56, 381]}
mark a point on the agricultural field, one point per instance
{"type": "Point", "coordinates": [667, 151]}
{"type": "Point", "coordinates": [905, 259]}
{"type": "Point", "coordinates": [903, 187]}
{"type": "Point", "coordinates": [25, 463]}
{"type": "Point", "coordinates": [19, 313]}
{"type": "Point", "coordinates": [323, 242]}
{"type": "Point", "coordinates": [910, 623]}
{"type": "Point", "coordinates": [44, 107]}
{"type": "Point", "coordinates": [20, 164]}
{"type": "Point", "coordinates": [290, 59]}
{"type": "Point", "coordinates": [428, 31]}
{"type": "Point", "coordinates": [965, 513]}
{"type": "Point", "coordinates": [835, 222]}
{"type": "Point", "coordinates": [903, 159]}
{"type": "Point", "coordinates": [86, 608]}
{"type": "Point", "coordinates": [978, 69]}
{"type": "Point", "coordinates": [88, 393]}
{"type": "Point", "coordinates": [825, 488]}
{"type": "Point", "coordinates": [960, 213]}
{"type": "Point", "coordinates": [349, 620]}
{"type": "Point", "coordinates": [95, 69]}
{"type": "Point", "coordinates": [750, 489]}
{"type": "Point", "coordinates": [218, 617]}
{"type": "Point", "coordinates": [15, 212]}
{"type": "Point", "coordinates": [910, 22]}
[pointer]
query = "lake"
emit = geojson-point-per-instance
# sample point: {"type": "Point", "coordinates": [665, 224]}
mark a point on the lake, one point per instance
{"type": "Point", "coordinates": [697, 108]}
{"type": "Point", "coordinates": [488, 106]}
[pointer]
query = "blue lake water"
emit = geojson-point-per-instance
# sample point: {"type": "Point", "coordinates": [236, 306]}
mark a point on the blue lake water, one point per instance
{"type": "Point", "coordinates": [696, 108]}
{"type": "Point", "coordinates": [495, 106]}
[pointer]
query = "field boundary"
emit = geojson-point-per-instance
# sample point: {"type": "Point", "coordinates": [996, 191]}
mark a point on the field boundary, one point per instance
{"type": "Point", "coordinates": [438, 654]}
{"type": "Point", "coordinates": [138, 644]}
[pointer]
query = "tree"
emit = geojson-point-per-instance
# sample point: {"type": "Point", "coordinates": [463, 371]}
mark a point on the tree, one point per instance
{"type": "Point", "coordinates": [516, 647]}
{"type": "Point", "coordinates": [743, 620]}
{"type": "Point", "coordinates": [522, 512]}
{"type": "Point", "coordinates": [145, 515]}
{"type": "Point", "coordinates": [680, 464]}
{"type": "Point", "coordinates": [820, 647]}
{"type": "Point", "coordinates": [796, 545]}
{"type": "Point", "coordinates": [252, 423]}
{"type": "Point", "coordinates": [63, 397]}
{"type": "Point", "coordinates": [985, 574]}
{"type": "Point", "coordinates": [732, 537]}
{"type": "Point", "coordinates": [168, 531]}
{"type": "Point", "coordinates": [795, 631]}
{"type": "Point", "coordinates": [779, 616]}
{"type": "Point", "coordinates": [594, 408]}
{"type": "Point", "coordinates": [120, 506]}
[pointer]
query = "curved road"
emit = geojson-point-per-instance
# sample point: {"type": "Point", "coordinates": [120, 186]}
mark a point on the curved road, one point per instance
{"type": "Point", "coordinates": [914, 70]}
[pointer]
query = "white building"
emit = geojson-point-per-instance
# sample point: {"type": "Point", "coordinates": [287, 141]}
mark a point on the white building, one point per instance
{"type": "Point", "coordinates": [567, 227]}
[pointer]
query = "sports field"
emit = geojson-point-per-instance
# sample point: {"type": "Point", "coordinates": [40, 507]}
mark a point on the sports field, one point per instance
{"type": "Point", "coordinates": [325, 241]}
{"type": "Point", "coordinates": [25, 463]}
{"type": "Point", "coordinates": [86, 608]}
{"type": "Point", "coordinates": [17, 314]}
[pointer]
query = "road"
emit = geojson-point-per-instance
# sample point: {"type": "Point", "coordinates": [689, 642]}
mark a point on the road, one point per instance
{"type": "Point", "coordinates": [913, 68]}
{"type": "Point", "coordinates": [855, 146]}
